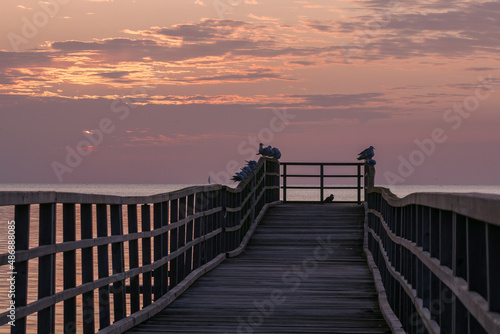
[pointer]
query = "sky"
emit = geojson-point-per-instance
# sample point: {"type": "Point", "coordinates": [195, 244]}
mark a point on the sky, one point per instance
{"type": "Point", "coordinates": [155, 91]}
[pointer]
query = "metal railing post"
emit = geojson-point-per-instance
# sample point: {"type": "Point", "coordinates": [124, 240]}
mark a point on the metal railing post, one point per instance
{"type": "Point", "coordinates": [284, 183]}
{"type": "Point", "coordinates": [321, 182]}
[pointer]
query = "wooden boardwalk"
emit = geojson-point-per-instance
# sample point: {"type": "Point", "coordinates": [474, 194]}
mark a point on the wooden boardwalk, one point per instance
{"type": "Point", "coordinates": [302, 272]}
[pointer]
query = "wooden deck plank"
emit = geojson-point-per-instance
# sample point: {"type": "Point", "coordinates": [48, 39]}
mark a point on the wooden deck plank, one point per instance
{"type": "Point", "coordinates": [285, 281]}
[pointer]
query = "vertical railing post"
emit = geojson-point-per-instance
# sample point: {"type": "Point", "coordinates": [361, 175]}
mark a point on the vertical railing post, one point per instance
{"type": "Point", "coordinates": [174, 214]}
{"type": "Point", "coordinates": [146, 254]}
{"type": "Point", "coordinates": [103, 265]}
{"type": "Point", "coordinates": [22, 223]}
{"type": "Point", "coordinates": [118, 262]}
{"type": "Point", "coordinates": [133, 252]}
{"type": "Point", "coordinates": [69, 265]}
{"type": "Point", "coordinates": [47, 267]}
{"type": "Point", "coordinates": [321, 182]}
{"type": "Point", "coordinates": [157, 273]}
{"type": "Point", "coordinates": [493, 267]}
{"type": "Point", "coordinates": [276, 182]}
{"type": "Point", "coordinates": [165, 219]}
{"type": "Point", "coordinates": [359, 185]}
{"type": "Point", "coordinates": [223, 216]}
{"type": "Point", "coordinates": [284, 183]}
{"type": "Point", "coordinates": [181, 240]}
{"type": "Point", "coordinates": [198, 208]}
{"type": "Point", "coordinates": [87, 268]}
{"type": "Point", "coordinates": [189, 234]}
{"type": "Point", "coordinates": [369, 175]}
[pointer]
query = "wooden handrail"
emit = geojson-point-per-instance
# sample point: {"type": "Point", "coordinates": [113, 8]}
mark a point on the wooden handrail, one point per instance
{"type": "Point", "coordinates": [192, 230]}
{"type": "Point", "coordinates": [437, 249]}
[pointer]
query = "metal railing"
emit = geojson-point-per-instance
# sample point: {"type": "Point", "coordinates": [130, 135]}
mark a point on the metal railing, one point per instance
{"type": "Point", "coordinates": [136, 266]}
{"type": "Point", "coordinates": [438, 258]}
{"type": "Point", "coordinates": [358, 175]}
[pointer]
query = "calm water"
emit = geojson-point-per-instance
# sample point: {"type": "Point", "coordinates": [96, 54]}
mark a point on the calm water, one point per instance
{"type": "Point", "coordinates": [7, 213]}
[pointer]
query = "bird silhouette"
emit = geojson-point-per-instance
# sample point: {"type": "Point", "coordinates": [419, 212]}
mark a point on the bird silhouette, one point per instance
{"type": "Point", "coordinates": [372, 162]}
{"type": "Point", "coordinates": [261, 149]}
{"type": "Point", "coordinates": [367, 154]}
{"type": "Point", "coordinates": [276, 154]}
{"type": "Point", "coordinates": [329, 199]}
{"type": "Point", "coordinates": [246, 169]}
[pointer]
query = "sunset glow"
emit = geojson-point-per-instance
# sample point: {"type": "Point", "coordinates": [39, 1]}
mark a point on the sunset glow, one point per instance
{"type": "Point", "coordinates": [158, 91]}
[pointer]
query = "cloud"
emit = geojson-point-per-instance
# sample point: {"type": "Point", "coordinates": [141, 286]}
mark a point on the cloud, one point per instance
{"type": "Point", "coordinates": [262, 18]}
{"type": "Point", "coordinates": [336, 100]}
{"type": "Point", "coordinates": [206, 30]}
{"type": "Point", "coordinates": [322, 26]}
{"type": "Point", "coordinates": [253, 76]}
{"type": "Point", "coordinates": [488, 69]}
{"type": "Point", "coordinates": [303, 62]}
{"type": "Point", "coordinates": [114, 75]}
{"type": "Point", "coordinates": [450, 33]}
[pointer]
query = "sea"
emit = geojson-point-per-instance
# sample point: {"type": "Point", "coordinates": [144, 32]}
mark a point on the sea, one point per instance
{"type": "Point", "coordinates": [7, 214]}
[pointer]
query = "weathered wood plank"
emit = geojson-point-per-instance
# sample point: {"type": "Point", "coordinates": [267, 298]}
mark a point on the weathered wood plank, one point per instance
{"type": "Point", "coordinates": [303, 271]}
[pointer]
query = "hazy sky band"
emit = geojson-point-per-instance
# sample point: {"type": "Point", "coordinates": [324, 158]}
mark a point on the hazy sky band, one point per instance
{"type": "Point", "coordinates": [186, 85]}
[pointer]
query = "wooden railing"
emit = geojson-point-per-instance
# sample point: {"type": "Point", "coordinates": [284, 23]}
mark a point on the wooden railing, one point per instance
{"type": "Point", "coordinates": [438, 258]}
{"type": "Point", "coordinates": [187, 233]}
{"type": "Point", "coordinates": [322, 176]}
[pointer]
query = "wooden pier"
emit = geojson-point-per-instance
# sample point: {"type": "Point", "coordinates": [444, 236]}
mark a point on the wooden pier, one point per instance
{"type": "Point", "coordinates": [217, 259]}
{"type": "Point", "coordinates": [302, 272]}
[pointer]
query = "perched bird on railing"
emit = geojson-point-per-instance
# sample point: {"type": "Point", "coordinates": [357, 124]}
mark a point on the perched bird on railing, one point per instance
{"type": "Point", "coordinates": [270, 152]}
{"type": "Point", "coordinates": [276, 153]}
{"type": "Point", "coordinates": [239, 176]}
{"type": "Point", "coordinates": [367, 154]}
{"type": "Point", "coordinates": [329, 199]}
{"type": "Point", "coordinates": [372, 162]}
{"type": "Point", "coordinates": [246, 169]}
{"type": "Point", "coordinates": [265, 151]}
{"type": "Point", "coordinates": [252, 165]}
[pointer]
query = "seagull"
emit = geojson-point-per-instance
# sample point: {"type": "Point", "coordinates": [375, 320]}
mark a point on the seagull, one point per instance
{"type": "Point", "coordinates": [268, 151]}
{"type": "Point", "coordinates": [246, 169]}
{"type": "Point", "coordinates": [367, 154]}
{"type": "Point", "coordinates": [237, 177]}
{"type": "Point", "coordinates": [365, 151]}
{"type": "Point", "coordinates": [261, 150]}
{"type": "Point", "coordinates": [329, 199]}
{"type": "Point", "coordinates": [265, 151]}
{"type": "Point", "coordinates": [276, 153]}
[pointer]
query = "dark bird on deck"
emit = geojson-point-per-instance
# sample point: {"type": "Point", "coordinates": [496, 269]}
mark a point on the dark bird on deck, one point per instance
{"type": "Point", "coordinates": [329, 199]}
